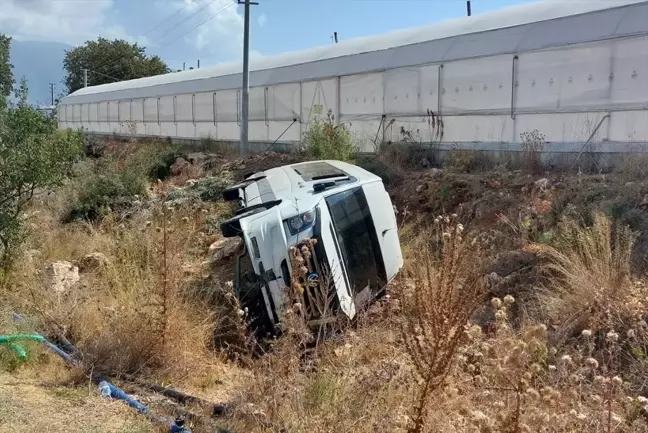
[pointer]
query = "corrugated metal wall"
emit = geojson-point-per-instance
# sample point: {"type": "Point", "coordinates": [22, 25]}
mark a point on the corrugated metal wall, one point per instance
{"type": "Point", "coordinates": [562, 92]}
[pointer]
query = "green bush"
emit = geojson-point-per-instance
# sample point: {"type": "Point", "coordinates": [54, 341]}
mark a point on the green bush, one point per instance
{"type": "Point", "coordinates": [108, 186]}
{"type": "Point", "coordinates": [325, 140]}
{"type": "Point", "coordinates": [34, 156]}
{"type": "Point", "coordinates": [158, 165]}
{"type": "Point", "coordinates": [206, 189]}
{"type": "Point", "coordinates": [213, 223]}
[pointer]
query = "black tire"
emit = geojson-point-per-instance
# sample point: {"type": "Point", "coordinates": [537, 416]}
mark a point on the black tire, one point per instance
{"type": "Point", "coordinates": [232, 227]}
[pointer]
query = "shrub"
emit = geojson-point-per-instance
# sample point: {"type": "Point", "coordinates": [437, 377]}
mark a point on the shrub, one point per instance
{"type": "Point", "coordinates": [632, 167]}
{"type": "Point", "coordinates": [107, 186]}
{"type": "Point", "coordinates": [532, 146]}
{"type": "Point", "coordinates": [466, 160]}
{"type": "Point", "coordinates": [448, 289]}
{"type": "Point", "coordinates": [589, 270]}
{"type": "Point", "coordinates": [380, 168]}
{"type": "Point", "coordinates": [325, 140]}
{"type": "Point", "coordinates": [158, 164]}
{"type": "Point", "coordinates": [206, 189]}
{"type": "Point", "coordinates": [140, 314]}
{"type": "Point", "coordinates": [33, 156]}
{"type": "Point", "coordinates": [519, 382]}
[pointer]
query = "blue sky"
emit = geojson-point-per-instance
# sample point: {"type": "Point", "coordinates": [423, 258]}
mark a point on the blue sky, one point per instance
{"type": "Point", "coordinates": [184, 30]}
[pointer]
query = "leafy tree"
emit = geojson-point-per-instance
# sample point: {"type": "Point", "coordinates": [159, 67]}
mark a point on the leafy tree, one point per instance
{"type": "Point", "coordinates": [34, 155]}
{"type": "Point", "coordinates": [6, 75]}
{"type": "Point", "coordinates": [109, 61]}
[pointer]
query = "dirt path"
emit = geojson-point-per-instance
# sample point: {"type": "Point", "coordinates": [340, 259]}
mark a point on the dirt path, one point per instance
{"type": "Point", "coordinates": [29, 404]}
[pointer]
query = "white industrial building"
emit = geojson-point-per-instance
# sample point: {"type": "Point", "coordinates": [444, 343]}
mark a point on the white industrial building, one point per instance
{"type": "Point", "coordinates": [569, 69]}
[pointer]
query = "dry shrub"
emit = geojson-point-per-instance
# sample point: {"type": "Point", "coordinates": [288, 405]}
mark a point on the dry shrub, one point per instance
{"type": "Point", "coordinates": [448, 287]}
{"type": "Point", "coordinates": [515, 381]}
{"type": "Point", "coordinates": [466, 160]}
{"type": "Point", "coordinates": [137, 314]}
{"type": "Point", "coordinates": [633, 167]}
{"type": "Point", "coordinates": [589, 271]}
{"type": "Point", "coordinates": [533, 143]}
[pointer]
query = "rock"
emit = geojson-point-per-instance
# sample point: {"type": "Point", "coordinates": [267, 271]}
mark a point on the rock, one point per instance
{"type": "Point", "coordinates": [62, 275]}
{"type": "Point", "coordinates": [93, 262]}
{"type": "Point", "coordinates": [179, 166]}
{"type": "Point", "coordinates": [494, 279]}
{"type": "Point", "coordinates": [32, 255]}
{"type": "Point", "coordinates": [433, 172]}
{"type": "Point", "coordinates": [224, 248]}
{"type": "Point", "coordinates": [197, 158]}
{"type": "Point", "coordinates": [542, 183]}
{"type": "Point", "coordinates": [493, 183]}
{"type": "Point", "coordinates": [419, 188]}
{"type": "Point", "coordinates": [93, 147]}
{"type": "Point", "coordinates": [343, 350]}
{"type": "Point", "coordinates": [644, 202]}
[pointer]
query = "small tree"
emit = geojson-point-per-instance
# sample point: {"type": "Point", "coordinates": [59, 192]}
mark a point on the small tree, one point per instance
{"type": "Point", "coordinates": [33, 156]}
{"type": "Point", "coordinates": [6, 74]}
{"type": "Point", "coordinates": [325, 140]}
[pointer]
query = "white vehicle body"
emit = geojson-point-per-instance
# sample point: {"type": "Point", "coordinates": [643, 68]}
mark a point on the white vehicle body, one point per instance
{"type": "Point", "coordinates": [344, 207]}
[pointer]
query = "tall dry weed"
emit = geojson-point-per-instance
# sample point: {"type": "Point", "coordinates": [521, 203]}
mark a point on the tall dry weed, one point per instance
{"type": "Point", "coordinates": [589, 271]}
{"type": "Point", "coordinates": [533, 144]}
{"type": "Point", "coordinates": [447, 288]}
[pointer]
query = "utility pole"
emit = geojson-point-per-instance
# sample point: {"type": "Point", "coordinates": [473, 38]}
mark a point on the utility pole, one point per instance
{"type": "Point", "coordinates": [468, 9]}
{"type": "Point", "coordinates": [198, 64]}
{"type": "Point", "coordinates": [335, 36]}
{"type": "Point", "coordinates": [52, 92]}
{"type": "Point", "coordinates": [183, 66]}
{"type": "Point", "coordinates": [245, 97]}
{"type": "Point", "coordinates": [85, 78]}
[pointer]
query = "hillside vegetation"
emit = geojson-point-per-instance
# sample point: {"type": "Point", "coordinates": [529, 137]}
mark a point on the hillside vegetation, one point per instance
{"type": "Point", "coordinates": [521, 307]}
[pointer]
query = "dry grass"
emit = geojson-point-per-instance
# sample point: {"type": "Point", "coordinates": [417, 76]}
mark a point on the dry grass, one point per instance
{"type": "Point", "coordinates": [589, 269]}
{"type": "Point", "coordinates": [139, 314]}
{"type": "Point", "coordinates": [412, 362]}
{"type": "Point", "coordinates": [358, 382]}
{"type": "Point", "coordinates": [27, 407]}
{"type": "Point", "coordinates": [633, 167]}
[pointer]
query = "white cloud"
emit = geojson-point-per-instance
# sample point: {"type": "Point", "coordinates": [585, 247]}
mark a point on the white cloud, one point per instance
{"type": "Point", "coordinates": [69, 22]}
{"type": "Point", "coordinates": [262, 19]}
{"type": "Point", "coordinates": [214, 28]}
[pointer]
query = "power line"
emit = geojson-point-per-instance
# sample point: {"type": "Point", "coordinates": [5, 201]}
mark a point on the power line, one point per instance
{"type": "Point", "coordinates": [168, 18]}
{"type": "Point", "coordinates": [179, 23]}
{"type": "Point", "coordinates": [200, 24]}
{"type": "Point", "coordinates": [104, 75]}
{"type": "Point", "coordinates": [168, 31]}
{"type": "Point", "coordinates": [120, 65]}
